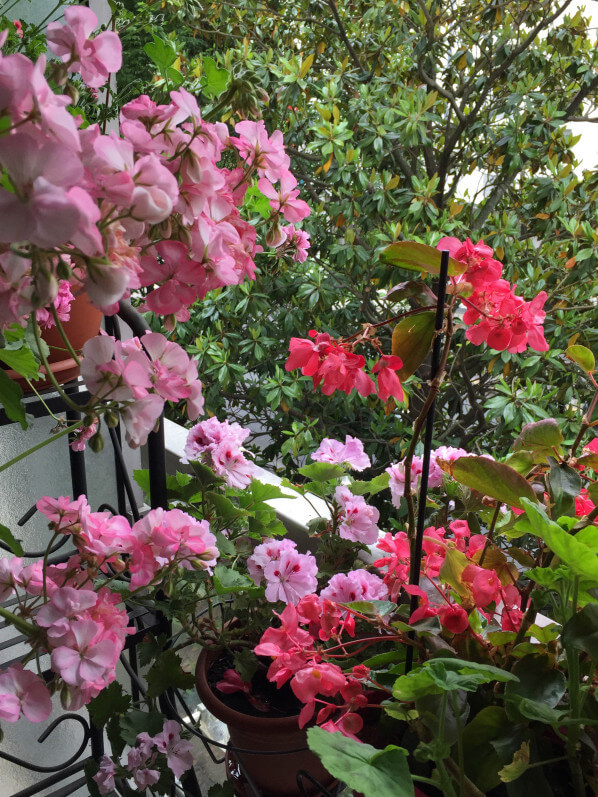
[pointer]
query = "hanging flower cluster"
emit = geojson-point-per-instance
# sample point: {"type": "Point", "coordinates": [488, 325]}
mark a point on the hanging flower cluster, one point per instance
{"type": "Point", "coordinates": [506, 321]}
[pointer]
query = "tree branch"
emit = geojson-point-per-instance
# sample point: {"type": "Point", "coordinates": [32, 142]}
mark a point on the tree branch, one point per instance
{"type": "Point", "coordinates": [344, 37]}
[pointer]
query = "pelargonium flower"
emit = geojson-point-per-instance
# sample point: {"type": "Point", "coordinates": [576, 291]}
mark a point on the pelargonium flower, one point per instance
{"type": "Point", "coordinates": [357, 520]}
{"type": "Point", "coordinates": [396, 471]}
{"type": "Point", "coordinates": [350, 453]}
{"type": "Point", "coordinates": [291, 576]}
{"type": "Point", "coordinates": [355, 585]}
{"type": "Point", "coordinates": [177, 750]}
{"type": "Point", "coordinates": [23, 691]}
{"type": "Point", "coordinates": [297, 243]}
{"type": "Point", "coordinates": [219, 444]}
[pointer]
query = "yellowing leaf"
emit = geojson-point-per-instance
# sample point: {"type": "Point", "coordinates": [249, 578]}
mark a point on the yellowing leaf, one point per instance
{"type": "Point", "coordinates": [321, 47]}
{"type": "Point", "coordinates": [542, 216]}
{"type": "Point", "coordinates": [306, 65]}
{"type": "Point", "coordinates": [570, 263]}
{"type": "Point", "coordinates": [456, 208]}
{"type": "Point", "coordinates": [392, 183]}
{"type": "Point", "coordinates": [518, 765]}
{"type": "Point", "coordinates": [328, 164]}
{"type": "Point", "coordinates": [462, 62]}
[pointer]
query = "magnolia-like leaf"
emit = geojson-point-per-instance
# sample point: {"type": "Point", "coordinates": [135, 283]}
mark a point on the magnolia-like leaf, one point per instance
{"type": "Point", "coordinates": [565, 485]}
{"type": "Point", "coordinates": [306, 65]}
{"type": "Point", "coordinates": [492, 478]}
{"type": "Point", "coordinates": [589, 460]}
{"type": "Point", "coordinates": [411, 341]}
{"type": "Point", "coordinates": [517, 767]}
{"type": "Point", "coordinates": [542, 438]}
{"type": "Point", "coordinates": [582, 357]}
{"type": "Point", "coordinates": [419, 257]}
{"type": "Point", "coordinates": [374, 773]}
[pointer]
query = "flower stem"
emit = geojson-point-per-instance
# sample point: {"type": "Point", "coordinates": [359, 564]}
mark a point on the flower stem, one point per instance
{"type": "Point", "coordinates": [21, 625]}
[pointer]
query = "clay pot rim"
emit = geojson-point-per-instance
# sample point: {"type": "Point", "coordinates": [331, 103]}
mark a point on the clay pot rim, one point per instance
{"type": "Point", "coordinates": [270, 725]}
{"type": "Point", "coordinates": [56, 368]}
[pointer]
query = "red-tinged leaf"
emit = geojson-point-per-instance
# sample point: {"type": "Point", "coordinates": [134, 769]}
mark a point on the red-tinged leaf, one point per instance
{"type": "Point", "coordinates": [542, 439]}
{"type": "Point", "coordinates": [419, 257]}
{"type": "Point", "coordinates": [412, 290]}
{"type": "Point", "coordinates": [411, 341]}
{"type": "Point", "coordinates": [492, 478]}
{"type": "Point", "coordinates": [583, 357]}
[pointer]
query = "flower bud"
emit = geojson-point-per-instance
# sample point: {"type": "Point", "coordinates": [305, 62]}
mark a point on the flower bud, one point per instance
{"type": "Point", "coordinates": [111, 418]}
{"type": "Point", "coordinates": [63, 270]}
{"type": "Point", "coordinates": [96, 443]}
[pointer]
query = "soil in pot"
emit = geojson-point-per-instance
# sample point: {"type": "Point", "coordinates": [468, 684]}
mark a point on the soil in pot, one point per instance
{"type": "Point", "coordinates": [278, 745]}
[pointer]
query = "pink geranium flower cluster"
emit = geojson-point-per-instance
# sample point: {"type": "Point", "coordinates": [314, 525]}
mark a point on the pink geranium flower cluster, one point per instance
{"type": "Point", "coordinates": [145, 759]}
{"type": "Point", "coordinates": [357, 520]}
{"type": "Point", "coordinates": [148, 207]}
{"type": "Point", "coordinates": [506, 321]}
{"type": "Point", "coordinates": [396, 472]}
{"type": "Point", "coordinates": [141, 374]}
{"type": "Point", "coordinates": [334, 365]}
{"type": "Point", "coordinates": [288, 574]}
{"type": "Point", "coordinates": [350, 453]}
{"type": "Point", "coordinates": [219, 445]}
{"type": "Point", "coordinates": [84, 628]}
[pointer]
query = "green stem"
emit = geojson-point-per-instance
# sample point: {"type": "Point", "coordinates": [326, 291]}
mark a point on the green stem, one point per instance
{"type": "Point", "coordinates": [63, 335]}
{"type": "Point", "coordinates": [49, 373]}
{"type": "Point", "coordinates": [37, 447]}
{"type": "Point", "coordinates": [445, 779]}
{"type": "Point", "coordinates": [22, 625]}
{"type": "Point", "coordinates": [574, 708]}
{"type": "Point", "coordinates": [460, 753]}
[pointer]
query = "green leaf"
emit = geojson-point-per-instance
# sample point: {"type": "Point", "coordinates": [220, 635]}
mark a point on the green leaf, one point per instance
{"type": "Point", "coordinates": [538, 712]}
{"type": "Point", "coordinates": [521, 461]}
{"type": "Point", "coordinates": [412, 290]}
{"type": "Point", "coordinates": [227, 580]}
{"type": "Point", "coordinates": [214, 79]}
{"type": "Point", "coordinates": [22, 361]}
{"type": "Point", "coordinates": [572, 550]}
{"type": "Point", "coordinates": [451, 569]}
{"type": "Point", "coordinates": [372, 608]}
{"type": "Point", "coordinates": [162, 52]}
{"type": "Point", "coordinates": [136, 721]}
{"type": "Point", "coordinates": [537, 681]}
{"type": "Point", "coordinates": [375, 485]}
{"type": "Point", "coordinates": [141, 476]}
{"type": "Point", "coordinates": [265, 492]}
{"type": "Point", "coordinates": [226, 511]}
{"type": "Point", "coordinates": [109, 702]}
{"type": "Point", "coordinates": [168, 672]}
{"type": "Point", "coordinates": [9, 539]}
{"type": "Point", "coordinates": [481, 759]}
{"type": "Point", "coordinates": [174, 76]}
{"type": "Point", "coordinates": [419, 257]}
{"type": "Point", "coordinates": [256, 202]}
{"type": "Point", "coordinates": [411, 341]}
{"type": "Point", "coordinates": [374, 773]}
{"type": "Point", "coordinates": [581, 631]}
{"type": "Point", "coordinates": [414, 685]}
{"type": "Point", "coordinates": [582, 357]}
{"type": "Point", "coordinates": [205, 476]}
{"type": "Point", "coordinates": [492, 478]}
{"type": "Point", "coordinates": [10, 398]}
{"type": "Point", "coordinates": [543, 438]}
{"type": "Point", "coordinates": [322, 471]}
{"type": "Point", "coordinates": [565, 485]}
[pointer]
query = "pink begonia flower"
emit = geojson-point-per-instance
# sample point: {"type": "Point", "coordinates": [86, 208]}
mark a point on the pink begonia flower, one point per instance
{"type": "Point", "coordinates": [454, 618]}
{"type": "Point", "coordinates": [290, 577]}
{"type": "Point", "coordinates": [297, 243]}
{"type": "Point", "coordinates": [284, 199]}
{"type": "Point", "coordinates": [177, 751]}
{"type": "Point", "coordinates": [22, 690]}
{"type": "Point", "coordinates": [105, 777]}
{"type": "Point", "coordinates": [357, 520]}
{"type": "Point", "coordinates": [316, 679]}
{"type": "Point", "coordinates": [62, 305]}
{"type": "Point", "coordinates": [218, 444]}
{"type": "Point", "coordinates": [583, 503]}
{"type": "Point", "coordinates": [481, 267]}
{"type": "Point", "coordinates": [94, 58]}
{"type": "Point", "coordinates": [265, 153]}
{"type": "Point", "coordinates": [350, 452]}
{"type": "Point", "coordinates": [485, 585]}
{"type": "Point", "coordinates": [388, 382]}
{"type": "Point", "coordinates": [87, 660]}
{"type": "Point", "coordinates": [355, 585]}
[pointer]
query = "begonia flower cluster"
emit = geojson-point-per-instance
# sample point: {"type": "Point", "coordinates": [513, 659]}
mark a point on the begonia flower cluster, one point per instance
{"type": "Point", "coordinates": [494, 313]}
{"type": "Point", "coordinates": [335, 366]}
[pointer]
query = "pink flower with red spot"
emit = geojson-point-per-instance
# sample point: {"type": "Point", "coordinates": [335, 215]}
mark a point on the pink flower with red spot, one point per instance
{"type": "Point", "coordinates": [219, 445]}
{"type": "Point", "coordinates": [177, 750]}
{"type": "Point", "coordinates": [285, 198]}
{"type": "Point", "coordinates": [355, 585]}
{"type": "Point", "coordinates": [290, 577]}
{"type": "Point", "coordinates": [357, 519]}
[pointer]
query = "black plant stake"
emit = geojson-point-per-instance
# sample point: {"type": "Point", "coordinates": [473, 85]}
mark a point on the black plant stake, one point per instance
{"type": "Point", "coordinates": [423, 490]}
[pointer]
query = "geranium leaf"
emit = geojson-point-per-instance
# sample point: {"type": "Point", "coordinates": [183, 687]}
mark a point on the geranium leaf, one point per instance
{"type": "Point", "coordinates": [10, 398]}
{"type": "Point", "coordinates": [167, 672]}
{"type": "Point", "coordinates": [418, 257]}
{"type": "Point", "coordinates": [109, 702]}
{"type": "Point", "coordinates": [9, 539]}
{"type": "Point", "coordinates": [322, 471]}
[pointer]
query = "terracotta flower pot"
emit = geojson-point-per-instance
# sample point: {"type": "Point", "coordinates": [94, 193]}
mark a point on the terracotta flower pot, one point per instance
{"type": "Point", "coordinates": [274, 775]}
{"type": "Point", "coordinates": [84, 323]}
